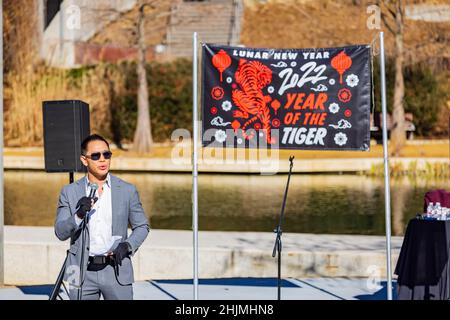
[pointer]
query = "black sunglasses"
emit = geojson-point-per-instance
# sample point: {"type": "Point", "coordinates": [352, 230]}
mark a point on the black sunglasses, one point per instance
{"type": "Point", "coordinates": [96, 155]}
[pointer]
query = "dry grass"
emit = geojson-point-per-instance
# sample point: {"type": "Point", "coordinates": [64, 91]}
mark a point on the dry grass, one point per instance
{"type": "Point", "coordinates": [25, 92]}
{"type": "Point", "coordinates": [326, 23]}
{"type": "Point", "coordinates": [397, 170]}
{"type": "Point", "coordinates": [437, 149]}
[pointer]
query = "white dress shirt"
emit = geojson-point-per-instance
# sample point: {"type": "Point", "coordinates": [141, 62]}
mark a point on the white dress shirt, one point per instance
{"type": "Point", "coordinates": [100, 221]}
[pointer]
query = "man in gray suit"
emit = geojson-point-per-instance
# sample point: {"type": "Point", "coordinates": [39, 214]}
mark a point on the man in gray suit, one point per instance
{"type": "Point", "coordinates": [96, 211]}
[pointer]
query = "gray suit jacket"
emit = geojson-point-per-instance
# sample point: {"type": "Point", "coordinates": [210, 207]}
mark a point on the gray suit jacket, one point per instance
{"type": "Point", "coordinates": [126, 209]}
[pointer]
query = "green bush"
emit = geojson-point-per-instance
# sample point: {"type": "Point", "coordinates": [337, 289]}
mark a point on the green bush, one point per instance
{"type": "Point", "coordinates": [424, 96]}
{"type": "Point", "coordinates": [170, 92]}
{"type": "Point", "coordinates": [170, 97]}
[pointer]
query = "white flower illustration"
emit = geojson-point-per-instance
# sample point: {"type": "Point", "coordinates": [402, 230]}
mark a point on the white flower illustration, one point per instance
{"type": "Point", "coordinates": [352, 80]}
{"type": "Point", "coordinates": [239, 141]}
{"type": "Point", "coordinates": [340, 138]}
{"type": "Point", "coordinates": [270, 89]}
{"type": "Point", "coordinates": [333, 107]}
{"type": "Point", "coordinates": [226, 105]}
{"type": "Point", "coordinates": [331, 81]}
{"type": "Point", "coordinates": [229, 80]}
{"type": "Point", "coordinates": [220, 136]}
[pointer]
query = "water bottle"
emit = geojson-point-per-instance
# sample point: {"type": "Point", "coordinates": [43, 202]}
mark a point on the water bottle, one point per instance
{"type": "Point", "coordinates": [445, 213]}
{"type": "Point", "coordinates": [438, 209]}
{"type": "Point", "coordinates": [430, 209]}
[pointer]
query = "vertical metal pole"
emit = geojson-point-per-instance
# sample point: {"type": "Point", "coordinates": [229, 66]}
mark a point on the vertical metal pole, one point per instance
{"type": "Point", "coordinates": [387, 188]}
{"type": "Point", "coordinates": [279, 269]}
{"type": "Point", "coordinates": [195, 162]}
{"type": "Point", "coordinates": [2, 220]}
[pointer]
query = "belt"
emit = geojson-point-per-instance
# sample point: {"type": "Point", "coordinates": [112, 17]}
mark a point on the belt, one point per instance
{"type": "Point", "coordinates": [100, 260]}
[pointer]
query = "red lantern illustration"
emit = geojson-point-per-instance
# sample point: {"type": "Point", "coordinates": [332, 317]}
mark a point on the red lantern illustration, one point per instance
{"type": "Point", "coordinates": [276, 105]}
{"type": "Point", "coordinates": [236, 125]}
{"type": "Point", "coordinates": [341, 63]}
{"type": "Point", "coordinates": [221, 61]}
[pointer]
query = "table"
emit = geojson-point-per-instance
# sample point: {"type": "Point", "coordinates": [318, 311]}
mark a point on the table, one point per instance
{"type": "Point", "coordinates": [423, 265]}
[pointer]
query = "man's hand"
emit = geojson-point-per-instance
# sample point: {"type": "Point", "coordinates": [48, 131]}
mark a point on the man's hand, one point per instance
{"type": "Point", "coordinates": [84, 205]}
{"type": "Point", "coordinates": [121, 252]}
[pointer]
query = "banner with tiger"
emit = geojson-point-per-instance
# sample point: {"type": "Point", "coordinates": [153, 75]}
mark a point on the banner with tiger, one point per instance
{"type": "Point", "coordinates": [318, 99]}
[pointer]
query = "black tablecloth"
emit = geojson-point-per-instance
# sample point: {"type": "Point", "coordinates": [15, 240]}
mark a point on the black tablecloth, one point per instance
{"type": "Point", "coordinates": [423, 265]}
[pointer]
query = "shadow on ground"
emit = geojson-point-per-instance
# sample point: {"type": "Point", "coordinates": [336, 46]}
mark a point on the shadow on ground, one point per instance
{"type": "Point", "coordinates": [45, 290]}
{"type": "Point", "coordinates": [246, 282]}
{"type": "Point", "coordinates": [380, 294]}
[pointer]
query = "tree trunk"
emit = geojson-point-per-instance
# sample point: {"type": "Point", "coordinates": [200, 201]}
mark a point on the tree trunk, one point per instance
{"type": "Point", "coordinates": [142, 141]}
{"type": "Point", "coordinates": [398, 134]}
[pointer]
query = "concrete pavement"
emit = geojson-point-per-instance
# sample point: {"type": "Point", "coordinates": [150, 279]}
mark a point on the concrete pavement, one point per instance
{"type": "Point", "coordinates": [168, 254]}
{"type": "Point", "coordinates": [234, 289]}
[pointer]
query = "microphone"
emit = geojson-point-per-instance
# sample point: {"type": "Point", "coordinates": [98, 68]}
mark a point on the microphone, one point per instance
{"type": "Point", "coordinates": [82, 208]}
{"type": "Point", "coordinates": [94, 188]}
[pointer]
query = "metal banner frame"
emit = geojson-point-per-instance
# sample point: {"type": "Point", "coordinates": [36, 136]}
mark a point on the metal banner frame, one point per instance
{"type": "Point", "coordinates": [195, 165]}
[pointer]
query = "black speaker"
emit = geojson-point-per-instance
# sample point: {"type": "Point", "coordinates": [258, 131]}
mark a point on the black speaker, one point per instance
{"type": "Point", "coordinates": [66, 124]}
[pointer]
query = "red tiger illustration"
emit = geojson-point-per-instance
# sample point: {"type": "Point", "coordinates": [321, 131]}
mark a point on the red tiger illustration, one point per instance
{"type": "Point", "coordinates": [252, 77]}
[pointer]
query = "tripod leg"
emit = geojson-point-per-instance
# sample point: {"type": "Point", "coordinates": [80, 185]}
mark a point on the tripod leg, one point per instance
{"type": "Point", "coordinates": [56, 288]}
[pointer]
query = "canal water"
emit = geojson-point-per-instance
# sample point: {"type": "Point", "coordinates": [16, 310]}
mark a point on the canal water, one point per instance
{"type": "Point", "coordinates": [332, 204]}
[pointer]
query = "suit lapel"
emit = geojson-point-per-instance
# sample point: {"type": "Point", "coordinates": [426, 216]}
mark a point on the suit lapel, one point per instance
{"type": "Point", "coordinates": [81, 188]}
{"type": "Point", "coordinates": [115, 203]}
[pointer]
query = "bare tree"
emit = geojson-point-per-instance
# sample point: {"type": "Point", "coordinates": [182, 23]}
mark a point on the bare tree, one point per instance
{"type": "Point", "coordinates": [143, 140]}
{"type": "Point", "coordinates": [135, 32]}
{"type": "Point", "coordinates": [393, 19]}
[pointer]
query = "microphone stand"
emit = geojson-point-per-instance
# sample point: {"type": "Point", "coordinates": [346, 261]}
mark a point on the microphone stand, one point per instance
{"type": "Point", "coordinates": [84, 229]}
{"type": "Point", "coordinates": [278, 244]}
{"type": "Point", "coordinates": [83, 242]}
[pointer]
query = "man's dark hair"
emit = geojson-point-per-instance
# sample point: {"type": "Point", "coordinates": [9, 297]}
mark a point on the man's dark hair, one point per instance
{"type": "Point", "coordinates": [92, 137]}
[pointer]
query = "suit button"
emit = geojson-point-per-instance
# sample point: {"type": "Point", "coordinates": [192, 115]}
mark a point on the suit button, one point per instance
{"type": "Point", "coordinates": [87, 248]}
